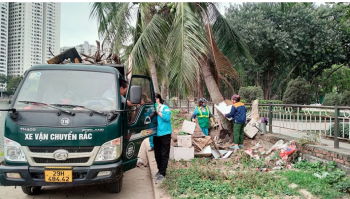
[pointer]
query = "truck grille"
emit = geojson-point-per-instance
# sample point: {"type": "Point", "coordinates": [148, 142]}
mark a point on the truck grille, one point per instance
{"type": "Point", "coordinates": [53, 161]}
{"type": "Point", "coordinates": [53, 149]}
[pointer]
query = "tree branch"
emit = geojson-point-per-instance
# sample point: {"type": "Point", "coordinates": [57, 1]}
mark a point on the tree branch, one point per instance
{"type": "Point", "coordinates": [85, 55]}
{"type": "Point", "coordinates": [226, 82]}
{"type": "Point", "coordinates": [334, 71]}
{"type": "Point", "coordinates": [51, 51]}
{"type": "Point", "coordinates": [290, 72]}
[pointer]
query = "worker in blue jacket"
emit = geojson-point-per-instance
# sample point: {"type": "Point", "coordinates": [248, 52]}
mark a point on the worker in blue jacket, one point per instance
{"type": "Point", "coordinates": [151, 137]}
{"type": "Point", "coordinates": [203, 114]}
{"type": "Point", "coordinates": [238, 113]}
{"type": "Point", "coordinates": [162, 140]}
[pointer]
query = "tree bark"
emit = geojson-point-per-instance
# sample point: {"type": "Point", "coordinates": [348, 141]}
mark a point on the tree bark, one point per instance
{"type": "Point", "coordinates": [199, 85]}
{"type": "Point", "coordinates": [214, 92]}
{"type": "Point", "coordinates": [163, 88]}
{"type": "Point", "coordinates": [152, 67]}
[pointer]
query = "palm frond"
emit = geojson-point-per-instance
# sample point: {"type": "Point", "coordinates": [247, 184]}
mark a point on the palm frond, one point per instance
{"type": "Point", "coordinates": [228, 39]}
{"type": "Point", "coordinates": [221, 62]}
{"type": "Point", "coordinates": [185, 45]}
{"type": "Point", "coordinates": [149, 41]}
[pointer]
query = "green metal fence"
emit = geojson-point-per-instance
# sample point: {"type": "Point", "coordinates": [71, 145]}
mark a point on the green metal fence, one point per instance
{"type": "Point", "coordinates": [326, 121]}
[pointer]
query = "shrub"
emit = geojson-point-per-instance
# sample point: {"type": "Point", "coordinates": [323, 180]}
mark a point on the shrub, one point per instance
{"type": "Point", "coordinates": [297, 92]}
{"type": "Point", "coordinates": [332, 99]}
{"type": "Point", "coordinates": [341, 131]}
{"type": "Point", "coordinates": [270, 102]}
{"type": "Point", "coordinates": [345, 98]}
{"type": "Point", "coordinates": [250, 93]}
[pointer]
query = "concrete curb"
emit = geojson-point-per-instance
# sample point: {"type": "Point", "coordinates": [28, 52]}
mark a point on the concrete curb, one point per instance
{"type": "Point", "coordinates": [159, 193]}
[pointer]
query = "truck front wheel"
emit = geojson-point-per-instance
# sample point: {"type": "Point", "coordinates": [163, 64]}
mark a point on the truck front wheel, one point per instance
{"type": "Point", "coordinates": [115, 187]}
{"type": "Point", "coordinates": [31, 190]}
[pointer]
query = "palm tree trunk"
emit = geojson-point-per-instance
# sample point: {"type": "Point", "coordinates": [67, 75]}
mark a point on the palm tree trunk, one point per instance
{"type": "Point", "coordinates": [163, 88]}
{"type": "Point", "coordinates": [152, 67]}
{"type": "Point", "coordinates": [199, 85]}
{"type": "Point", "coordinates": [214, 92]}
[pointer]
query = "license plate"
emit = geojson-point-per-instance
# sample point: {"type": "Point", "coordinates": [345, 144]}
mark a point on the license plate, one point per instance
{"type": "Point", "coordinates": [58, 176]}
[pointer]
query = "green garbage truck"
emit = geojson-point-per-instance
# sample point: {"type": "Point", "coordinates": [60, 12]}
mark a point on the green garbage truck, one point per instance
{"type": "Point", "coordinates": [68, 124]}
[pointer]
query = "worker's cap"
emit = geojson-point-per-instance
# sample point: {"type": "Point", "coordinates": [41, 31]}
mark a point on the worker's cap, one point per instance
{"type": "Point", "coordinates": [203, 100]}
{"type": "Point", "coordinates": [235, 97]}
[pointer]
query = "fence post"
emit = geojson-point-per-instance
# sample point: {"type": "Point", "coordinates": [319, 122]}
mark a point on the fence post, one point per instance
{"type": "Point", "coordinates": [270, 118]}
{"type": "Point", "coordinates": [336, 127]}
{"type": "Point", "coordinates": [188, 106]}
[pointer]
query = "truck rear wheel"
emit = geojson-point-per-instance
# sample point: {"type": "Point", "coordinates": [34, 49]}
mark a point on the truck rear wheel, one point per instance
{"type": "Point", "coordinates": [115, 187]}
{"type": "Point", "coordinates": [31, 190]}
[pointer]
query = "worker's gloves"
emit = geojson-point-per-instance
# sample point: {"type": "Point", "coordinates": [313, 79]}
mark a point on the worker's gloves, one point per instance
{"type": "Point", "coordinates": [193, 120]}
{"type": "Point", "coordinates": [212, 122]}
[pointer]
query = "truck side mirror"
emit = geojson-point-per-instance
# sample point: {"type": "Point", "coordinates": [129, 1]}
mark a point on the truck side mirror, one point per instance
{"type": "Point", "coordinates": [135, 94]}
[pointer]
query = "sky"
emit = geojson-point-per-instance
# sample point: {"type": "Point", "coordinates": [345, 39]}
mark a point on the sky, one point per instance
{"type": "Point", "coordinates": [77, 27]}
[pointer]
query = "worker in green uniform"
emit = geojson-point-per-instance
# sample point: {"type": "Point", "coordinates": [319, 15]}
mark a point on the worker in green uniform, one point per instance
{"type": "Point", "coordinates": [203, 114]}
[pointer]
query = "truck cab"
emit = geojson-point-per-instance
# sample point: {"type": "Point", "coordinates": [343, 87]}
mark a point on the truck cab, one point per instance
{"type": "Point", "coordinates": [69, 125]}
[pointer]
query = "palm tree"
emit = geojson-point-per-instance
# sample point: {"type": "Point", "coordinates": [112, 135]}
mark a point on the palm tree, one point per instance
{"type": "Point", "coordinates": [180, 38]}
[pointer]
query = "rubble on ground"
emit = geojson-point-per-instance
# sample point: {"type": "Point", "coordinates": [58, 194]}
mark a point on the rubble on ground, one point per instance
{"type": "Point", "coordinates": [219, 142]}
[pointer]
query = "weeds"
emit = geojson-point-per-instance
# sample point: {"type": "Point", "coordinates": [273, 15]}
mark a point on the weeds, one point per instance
{"type": "Point", "coordinates": [206, 178]}
{"type": "Point", "coordinates": [316, 186]}
{"type": "Point", "coordinates": [176, 119]}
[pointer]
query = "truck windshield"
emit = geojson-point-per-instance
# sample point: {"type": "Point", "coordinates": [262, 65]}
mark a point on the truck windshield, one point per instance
{"type": "Point", "coordinates": [93, 90]}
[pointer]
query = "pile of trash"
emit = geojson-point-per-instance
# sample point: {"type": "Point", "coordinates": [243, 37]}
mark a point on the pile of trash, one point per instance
{"type": "Point", "coordinates": [276, 156]}
{"type": "Point", "coordinates": [190, 142]}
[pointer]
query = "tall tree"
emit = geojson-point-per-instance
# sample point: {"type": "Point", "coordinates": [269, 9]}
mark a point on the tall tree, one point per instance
{"type": "Point", "coordinates": [189, 36]}
{"type": "Point", "coordinates": [288, 40]}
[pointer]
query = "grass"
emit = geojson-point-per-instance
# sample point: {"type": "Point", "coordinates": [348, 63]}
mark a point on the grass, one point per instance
{"type": "Point", "coordinates": [205, 178]}
{"type": "Point", "coordinates": [316, 186]}
{"type": "Point", "coordinates": [176, 119]}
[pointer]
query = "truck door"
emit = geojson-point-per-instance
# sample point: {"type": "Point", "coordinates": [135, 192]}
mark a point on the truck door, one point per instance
{"type": "Point", "coordinates": [141, 120]}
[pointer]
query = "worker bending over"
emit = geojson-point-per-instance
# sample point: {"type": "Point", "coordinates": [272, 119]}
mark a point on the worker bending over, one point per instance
{"type": "Point", "coordinates": [238, 113]}
{"type": "Point", "coordinates": [203, 114]}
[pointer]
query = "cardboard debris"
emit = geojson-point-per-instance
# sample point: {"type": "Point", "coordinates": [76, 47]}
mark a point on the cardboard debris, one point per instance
{"type": "Point", "coordinates": [224, 108]}
{"type": "Point", "coordinates": [184, 141]}
{"type": "Point", "coordinates": [196, 147]}
{"type": "Point", "coordinates": [206, 152]}
{"type": "Point", "coordinates": [198, 134]}
{"type": "Point", "coordinates": [181, 153]}
{"type": "Point", "coordinates": [250, 129]}
{"type": "Point", "coordinates": [216, 153]}
{"type": "Point", "coordinates": [188, 127]}
{"type": "Point", "coordinates": [202, 142]}
{"type": "Point", "coordinates": [227, 155]}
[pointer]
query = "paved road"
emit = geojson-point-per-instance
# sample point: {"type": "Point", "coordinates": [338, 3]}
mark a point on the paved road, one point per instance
{"type": "Point", "coordinates": [136, 184]}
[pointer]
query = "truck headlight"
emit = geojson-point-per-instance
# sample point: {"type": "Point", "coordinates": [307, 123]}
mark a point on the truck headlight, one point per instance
{"type": "Point", "coordinates": [13, 151]}
{"type": "Point", "coordinates": [110, 150]}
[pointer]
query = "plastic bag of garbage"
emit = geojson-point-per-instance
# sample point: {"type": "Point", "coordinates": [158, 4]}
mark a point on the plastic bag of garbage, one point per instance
{"type": "Point", "coordinates": [324, 174]}
{"type": "Point", "coordinates": [289, 150]}
{"type": "Point", "coordinates": [249, 152]}
{"type": "Point", "coordinates": [277, 145]}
